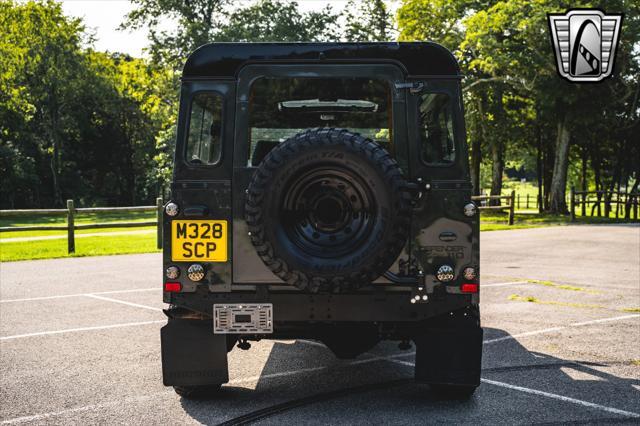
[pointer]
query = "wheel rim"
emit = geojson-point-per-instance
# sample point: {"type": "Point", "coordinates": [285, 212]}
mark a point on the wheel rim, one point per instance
{"type": "Point", "coordinates": [328, 213]}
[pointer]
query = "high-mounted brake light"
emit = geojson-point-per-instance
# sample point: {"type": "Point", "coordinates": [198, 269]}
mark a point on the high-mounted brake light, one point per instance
{"type": "Point", "coordinates": [172, 287]}
{"type": "Point", "coordinates": [469, 288]}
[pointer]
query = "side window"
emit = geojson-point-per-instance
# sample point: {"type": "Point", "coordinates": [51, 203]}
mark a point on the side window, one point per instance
{"type": "Point", "coordinates": [437, 145]}
{"type": "Point", "coordinates": [204, 138]}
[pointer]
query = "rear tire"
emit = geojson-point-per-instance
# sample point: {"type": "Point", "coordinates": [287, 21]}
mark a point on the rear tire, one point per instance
{"type": "Point", "coordinates": [198, 392]}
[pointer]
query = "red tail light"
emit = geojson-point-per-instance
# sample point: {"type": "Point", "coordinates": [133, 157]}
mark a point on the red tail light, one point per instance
{"type": "Point", "coordinates": [469, 288]}
{"type": "Point", "coordinates": [172, 287]}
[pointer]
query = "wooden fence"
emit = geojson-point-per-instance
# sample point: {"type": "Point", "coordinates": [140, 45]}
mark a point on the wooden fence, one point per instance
{"type": "Point", "coordinates": [509, 207]}
{"type": "Point", "coordinates": [626, 203]}
{"type": "Point", "coordinates": [71, 212]}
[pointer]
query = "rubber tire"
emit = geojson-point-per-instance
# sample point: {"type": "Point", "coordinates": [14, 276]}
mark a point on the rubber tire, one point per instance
{"type": "Point", "coordinates": [198, 392]}
{"type": "Point", "coordinates": [453, 392]}
{"type": "Point", "coordinates": [333, 147]}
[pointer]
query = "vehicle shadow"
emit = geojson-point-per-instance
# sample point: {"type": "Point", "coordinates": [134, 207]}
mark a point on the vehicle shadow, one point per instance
{"type": "Point", "coordinates": [303, 382]}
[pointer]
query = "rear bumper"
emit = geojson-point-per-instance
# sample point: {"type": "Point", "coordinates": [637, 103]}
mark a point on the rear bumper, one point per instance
{"type": "Point", "coordinates": [300, 308]}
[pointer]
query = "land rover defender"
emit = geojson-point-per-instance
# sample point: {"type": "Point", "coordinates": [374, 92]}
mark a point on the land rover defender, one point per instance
{"type": "Point", "coordinates": [321, 191]}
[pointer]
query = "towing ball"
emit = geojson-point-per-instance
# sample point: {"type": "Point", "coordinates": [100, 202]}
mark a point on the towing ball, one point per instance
{"type": "Point", "coordinates": [195, 272]}
{"type": "Point", "coordinates": [445, 273]}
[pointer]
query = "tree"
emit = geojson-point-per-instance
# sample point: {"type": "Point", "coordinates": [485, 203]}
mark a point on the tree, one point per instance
{"type": "Point", "coordinates": [278, 21]}
{"type": "Point", "coordinates": [368, 20]}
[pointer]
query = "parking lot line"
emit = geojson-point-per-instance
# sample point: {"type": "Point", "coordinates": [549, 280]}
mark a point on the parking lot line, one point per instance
{"type": "Point", "coordinates": [549, 330]}
{"type": "Point", "coordinates": [73, 330]}
{"type": "Point", "coordinates": [562, 398]}
{"type": "Point", "coordinates": [63, 296]}
{"type": "Point", "coordinates": [542, 393]}
{"type": "Point", "coordinates": [135, 305]}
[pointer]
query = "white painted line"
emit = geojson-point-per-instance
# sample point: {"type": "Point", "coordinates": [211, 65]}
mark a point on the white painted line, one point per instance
{"type": "Point", "coordinates": [32, 299]}
{"type": "Point", "coordinates": [563, 398]}
{"type": "Point", "coordinates": [64, 236]}
{"type": "Point", "coordinates": [550, 330]}
{"type": "Point", "coordinates": [623, 317]}
{"type": "Point", "coordinates": [503, 284]}
{"type": "Point", "coordinates": [135, 305]}
{"type": "Point", "coordinates": [73, 330]}
{"type": "Point", "coordinates": [545, 394]}
{"type": "Point", "coordinates": [528, 333]}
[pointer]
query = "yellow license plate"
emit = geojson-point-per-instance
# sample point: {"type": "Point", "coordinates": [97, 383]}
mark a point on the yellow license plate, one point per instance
{"type": "Point", "coordinates": [202, 240]}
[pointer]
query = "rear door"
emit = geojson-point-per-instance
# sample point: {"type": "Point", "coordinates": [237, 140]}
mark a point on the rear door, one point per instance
{"type": "Point", "coordinates": [200, 232]}
{"type": "Point", "coordinates": [252, 140]}
{"type": "Point", "coordinates": [441, 233]}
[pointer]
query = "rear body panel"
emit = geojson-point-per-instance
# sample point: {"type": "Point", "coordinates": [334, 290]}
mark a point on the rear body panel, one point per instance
{"type": "Point", "coordinates": [440, 233]}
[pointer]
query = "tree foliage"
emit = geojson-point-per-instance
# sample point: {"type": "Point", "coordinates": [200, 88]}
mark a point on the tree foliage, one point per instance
{"type": "Point", "coordinates": [74, 122]}
{"type": "Point", "coordinates": [100, 128]}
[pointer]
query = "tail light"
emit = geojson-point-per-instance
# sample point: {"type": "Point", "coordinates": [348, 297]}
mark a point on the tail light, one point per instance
{"type": "Point", "coordinates": [469, 288]}
{"type": "Point", "coordinates": [172, 287]}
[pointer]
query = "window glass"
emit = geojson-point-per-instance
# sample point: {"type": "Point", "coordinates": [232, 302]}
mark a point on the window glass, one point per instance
{"type": "Point", "coordinates": [281, 107]}
{"type": "Point", "coordinates": [205, 126]}
{"type": "Point", "coordinates": [436, 129]}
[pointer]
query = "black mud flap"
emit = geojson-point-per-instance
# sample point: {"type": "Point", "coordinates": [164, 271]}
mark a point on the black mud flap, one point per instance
{"type": "Point", "coordinates": [451, 356]}
{"type": "Point", "coordinates": [192, 355]}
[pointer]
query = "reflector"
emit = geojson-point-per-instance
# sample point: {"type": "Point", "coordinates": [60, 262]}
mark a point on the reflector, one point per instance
{"type": "Point", "coordinates": [172, 287]}
{"type": "Point", "coordinates": [469, 288]}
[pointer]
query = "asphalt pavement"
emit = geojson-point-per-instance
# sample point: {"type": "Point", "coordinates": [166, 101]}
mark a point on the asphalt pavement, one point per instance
{"type": "Point", "coordinates": [80, 344]}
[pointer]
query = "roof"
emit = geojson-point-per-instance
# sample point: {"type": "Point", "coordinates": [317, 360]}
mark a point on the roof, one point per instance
{"type": "Point", "coordinates": [226, 59]}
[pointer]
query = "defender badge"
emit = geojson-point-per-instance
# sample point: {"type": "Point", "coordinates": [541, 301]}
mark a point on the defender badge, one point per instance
{"type": "Point", "coordinates": [585, 42]}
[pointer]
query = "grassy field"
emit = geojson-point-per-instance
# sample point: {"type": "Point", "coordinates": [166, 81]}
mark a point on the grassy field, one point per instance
{"type": "Point", "coordinates": [94, 242]}
{"type": "Point", "coordinates": [28, 245]}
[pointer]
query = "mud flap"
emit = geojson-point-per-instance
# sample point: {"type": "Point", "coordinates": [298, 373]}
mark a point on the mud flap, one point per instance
{"type": "Point", "coordinates": [451, 356]}
{"type": "Point", "coordinates": [192, 355]}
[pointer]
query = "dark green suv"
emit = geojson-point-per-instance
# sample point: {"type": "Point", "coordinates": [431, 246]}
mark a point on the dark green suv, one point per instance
{"type": "Point", "coordinates": [321, 191]}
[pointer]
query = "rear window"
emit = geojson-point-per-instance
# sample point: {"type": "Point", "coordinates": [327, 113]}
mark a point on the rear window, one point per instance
{"type": "Point", "coordinates": [281, 107]}
{"type": "Point", "coordinates": [204, 141]}
{"type": "Point", "coordinates": [436, 129]}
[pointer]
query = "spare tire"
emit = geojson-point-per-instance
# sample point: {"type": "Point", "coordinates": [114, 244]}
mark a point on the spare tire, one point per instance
{"type": "Point", "coordinates": [328, 210]}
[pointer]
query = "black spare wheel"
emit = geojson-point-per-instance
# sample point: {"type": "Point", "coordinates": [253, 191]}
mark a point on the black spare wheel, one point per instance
{"type": "Point", "coordinates": [328, 210]}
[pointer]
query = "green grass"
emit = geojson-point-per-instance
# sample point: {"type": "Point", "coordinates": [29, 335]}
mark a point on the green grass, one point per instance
{"type": "Point", "coordinates": [89, 246]}
{"type": "Point", "coordinates": [146, 243]}
{"type": "Point", "coordinates": [78, 218]}
{"type": "Point", "coordinates": [491, 220]}
{"type": "Point", "coordinates": [85, 246]}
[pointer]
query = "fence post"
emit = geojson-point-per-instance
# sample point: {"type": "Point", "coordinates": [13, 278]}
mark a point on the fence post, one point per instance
{"type": "Point", "coordinates": [71, 243]}
{"type": "Point", "coordinates": [159, 219]}
{"type": "Point", "coordinates": [572, 204]}
{"type": "Point", "coordinates": [512, 207]}
{"type": "Point", "coordinates": [518, 201]}
{"type": "Point", "coordinates": [527, 207]}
